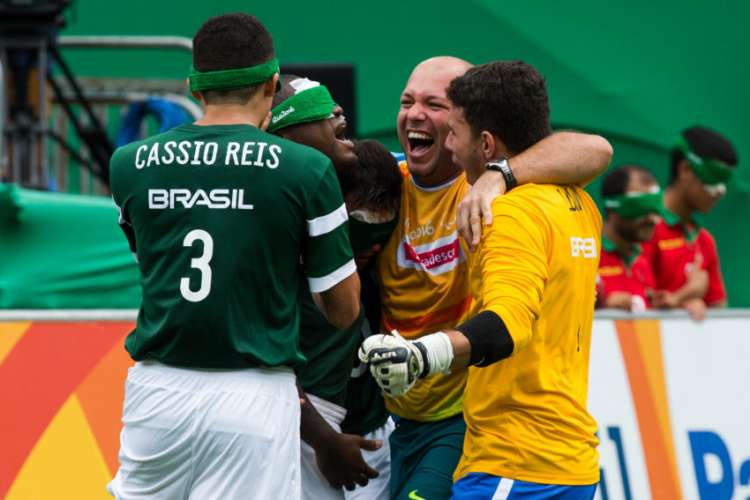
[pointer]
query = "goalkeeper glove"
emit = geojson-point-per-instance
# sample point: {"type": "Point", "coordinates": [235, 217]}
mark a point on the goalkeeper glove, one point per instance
{"type": "Point", "coordinates": [397, 363]}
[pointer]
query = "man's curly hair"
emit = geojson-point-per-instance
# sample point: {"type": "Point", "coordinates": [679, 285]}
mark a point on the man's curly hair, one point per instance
{"type": "Point", "coordinates": [507, 98]}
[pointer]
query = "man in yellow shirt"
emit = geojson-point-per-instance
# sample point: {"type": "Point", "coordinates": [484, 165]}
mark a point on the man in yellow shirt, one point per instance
{"type": "Point", "coordinates": [528, 430]}
{"type": "Point", "coordinates": [423, 269]}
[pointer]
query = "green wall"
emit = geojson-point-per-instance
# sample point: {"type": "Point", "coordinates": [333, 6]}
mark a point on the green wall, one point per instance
{"type": "Point", "coordinates": [637, 71]}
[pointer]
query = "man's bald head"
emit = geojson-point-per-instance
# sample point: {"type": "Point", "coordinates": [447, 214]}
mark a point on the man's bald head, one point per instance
{"type": "Point", "coordinates": [442, 66]}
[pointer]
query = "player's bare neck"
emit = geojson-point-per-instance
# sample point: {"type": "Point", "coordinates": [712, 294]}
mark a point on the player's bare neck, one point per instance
{"type": "Point", "coordinates": [231, 115]}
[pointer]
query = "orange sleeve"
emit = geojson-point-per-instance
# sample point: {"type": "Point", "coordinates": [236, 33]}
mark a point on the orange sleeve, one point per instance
{"type": "Point", "coordinates": [404, 169]}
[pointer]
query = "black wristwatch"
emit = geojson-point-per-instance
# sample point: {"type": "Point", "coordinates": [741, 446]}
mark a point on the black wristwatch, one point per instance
{"type": "Point", "coordinates": [501, 165]}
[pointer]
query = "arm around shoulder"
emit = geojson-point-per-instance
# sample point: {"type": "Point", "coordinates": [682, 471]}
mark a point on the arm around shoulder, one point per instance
{"type": "Point", "coordinates": [563, 158]}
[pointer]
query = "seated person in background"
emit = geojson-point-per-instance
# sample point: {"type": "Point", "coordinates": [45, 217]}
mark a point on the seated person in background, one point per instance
{"type": "Point", "coordinates": [633, 202]}
{"type": "Point", "coordinates": [702, 162]}
{"type": "Point", "coordinates": [304, 112]}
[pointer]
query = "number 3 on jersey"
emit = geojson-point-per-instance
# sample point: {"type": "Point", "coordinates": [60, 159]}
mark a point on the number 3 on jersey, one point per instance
{"type": "Point", "coordinates": [199, 263]}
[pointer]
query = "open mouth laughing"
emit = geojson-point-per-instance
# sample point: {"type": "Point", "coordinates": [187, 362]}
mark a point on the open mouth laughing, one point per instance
{"type": "Point", "coordinates": [419, 143]}
{"type": "Point", "coordinates": [340, 134]}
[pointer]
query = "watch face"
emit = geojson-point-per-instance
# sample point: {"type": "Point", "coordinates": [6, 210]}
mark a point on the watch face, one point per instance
{"type": "Point", "coordinates": [495, 165]}
{"type": "Point", "coordinates": [501, 165]}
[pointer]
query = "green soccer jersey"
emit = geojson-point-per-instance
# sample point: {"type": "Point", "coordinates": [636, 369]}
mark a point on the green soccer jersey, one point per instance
{"type": "Point", "coordinates": [330, 352]}
{"type": "Point", "coordinates": [365, 407]}
{"type": "Point", "coordinates": [220, 218]}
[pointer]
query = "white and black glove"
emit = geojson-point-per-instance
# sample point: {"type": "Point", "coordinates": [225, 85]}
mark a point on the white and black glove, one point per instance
{"type": "Point", "coordinates": [397, 363]}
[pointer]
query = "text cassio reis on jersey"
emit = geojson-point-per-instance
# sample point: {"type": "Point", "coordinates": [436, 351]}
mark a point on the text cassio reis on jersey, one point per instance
{"type": "Point", "coordinates": [245, 154]}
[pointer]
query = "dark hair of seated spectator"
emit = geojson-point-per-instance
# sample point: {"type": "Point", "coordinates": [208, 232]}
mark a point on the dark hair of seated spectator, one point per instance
{"type": "Point", "coordinates": [702, 164]}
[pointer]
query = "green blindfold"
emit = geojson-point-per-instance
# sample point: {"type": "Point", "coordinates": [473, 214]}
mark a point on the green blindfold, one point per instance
{"type": "Point", "coordinates": [635, 205]}
{"type": "Point", "coordinates": [364, 235]}
{"type": "Point", "coordinates": [310, 105]}
{"type": "Point", "coordinates": [710, 172]}
{"type": "Point", "coordinates": [228, 79]}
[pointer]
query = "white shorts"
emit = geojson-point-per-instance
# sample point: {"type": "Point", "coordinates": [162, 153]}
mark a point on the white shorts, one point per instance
{"type": "Point", "coordinates": [204, 434]}
{"type": "Point", "coordinates": [380, 460]}
{"type": "Point", "coordinates": [314, 484]}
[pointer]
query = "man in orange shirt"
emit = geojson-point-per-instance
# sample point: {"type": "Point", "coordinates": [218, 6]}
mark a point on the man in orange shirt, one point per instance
{"type": "Point", "coordinates": [528, 435]}
{"type": "Point", "coordinates": [423, 269]}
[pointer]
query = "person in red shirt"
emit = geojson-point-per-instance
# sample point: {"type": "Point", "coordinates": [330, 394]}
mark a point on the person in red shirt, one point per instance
{"type": "Point", "coordinates": [702, 165]}
{"type": "Point", "coordinates": [633, 202]}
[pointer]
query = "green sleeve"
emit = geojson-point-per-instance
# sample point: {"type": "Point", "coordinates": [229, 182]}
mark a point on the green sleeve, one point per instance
{"type": "Point", "coordinates": [327, 255]}
{"type": "Point", "coordinates": [116, 171]}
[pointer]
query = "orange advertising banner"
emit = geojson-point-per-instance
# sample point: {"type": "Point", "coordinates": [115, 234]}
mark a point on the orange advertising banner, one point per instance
{"type": "Point", "coordinates": [61, 394]}
{"type": "Point", "coordinates": [669, 396]}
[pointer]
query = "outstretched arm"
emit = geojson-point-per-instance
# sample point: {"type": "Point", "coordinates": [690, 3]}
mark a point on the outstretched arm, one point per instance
{"type": "Point", "coordinates": [560, 158]}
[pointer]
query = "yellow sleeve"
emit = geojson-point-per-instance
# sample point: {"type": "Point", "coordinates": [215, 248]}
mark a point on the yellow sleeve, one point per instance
{"type": "Point", "coordinates": [514, 267]}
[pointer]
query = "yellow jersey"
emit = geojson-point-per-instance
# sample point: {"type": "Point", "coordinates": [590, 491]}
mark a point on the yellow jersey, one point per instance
{"type": "Point", "coordinates": [424, 287]}
{"type": "Point", "coordinates": [526, 415]}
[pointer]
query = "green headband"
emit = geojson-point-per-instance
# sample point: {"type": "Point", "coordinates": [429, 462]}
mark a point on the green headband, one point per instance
{"type": "Point", "coordinates": [306, 106]}
{"type": "Point", "coordinates": [635, 205]}
{"type": "Point", "coordinates": [228, 79]}
{"type": "Point", "coordinates": [708, 170]}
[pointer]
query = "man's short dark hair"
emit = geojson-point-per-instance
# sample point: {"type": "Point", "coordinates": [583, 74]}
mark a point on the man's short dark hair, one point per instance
{"type": "Point", "coordinates": [706, 143]}
{"type": "Point", "coordinates": [227, 42]}
{"type": "Point", "coordinates": [507, 98]}
{"type": "Point", "coordinates": [375, 182]}
{"type": "Point", "coordinates": [616, 182]}
{"type": "Point", "coordinates": [286, 90]}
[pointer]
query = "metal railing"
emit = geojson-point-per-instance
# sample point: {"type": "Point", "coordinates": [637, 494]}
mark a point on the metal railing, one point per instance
{"type": "Point", "coordinates": [61, 155]}
{"type": "Point", "coordinates": [127, 42]}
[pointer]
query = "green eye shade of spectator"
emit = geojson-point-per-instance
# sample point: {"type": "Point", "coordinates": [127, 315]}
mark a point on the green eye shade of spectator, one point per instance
{"type": "Point", "coordinates": [634, 205]}
{"type": "Point", "coordinates": [708, 170]}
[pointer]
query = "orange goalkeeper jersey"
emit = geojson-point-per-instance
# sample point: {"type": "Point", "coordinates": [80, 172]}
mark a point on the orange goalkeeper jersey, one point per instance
{"type": "Point", "coordinates": [526, 415]}
{"type": "Point", "coordinates": [424, 287]}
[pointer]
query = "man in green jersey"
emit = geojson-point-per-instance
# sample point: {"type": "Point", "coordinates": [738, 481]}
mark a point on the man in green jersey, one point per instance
{"type": "Point", "coordinates": [218, 213]}
{"type": "Point", "coordinates": [305, 112]}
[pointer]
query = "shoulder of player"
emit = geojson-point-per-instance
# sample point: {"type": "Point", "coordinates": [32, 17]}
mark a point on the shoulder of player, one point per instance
{"type": "Point", "coordinates": [403, 166]}
{"type": "Point", "coordinates": [293, 148]}
{"type": "Point", "coordinates": [526, 197]}
{"type": "Point", "coordinates": [522, 207]}
{"type": "Point", "coordinates": [299, 156]}
{"type": "Point", "coordinates": [130, 150]}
